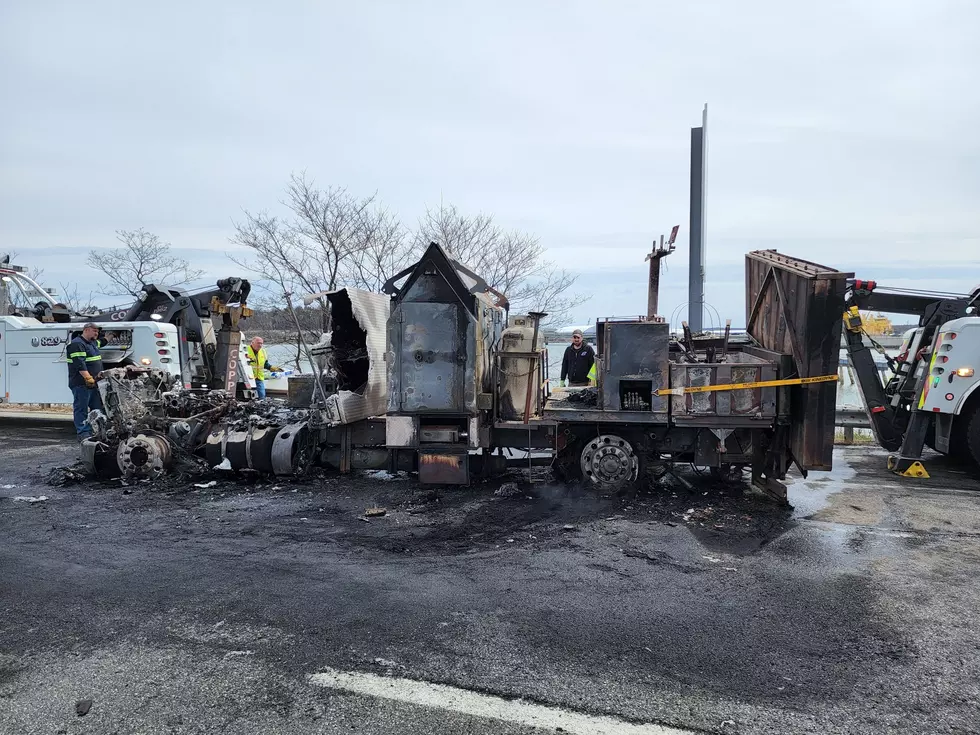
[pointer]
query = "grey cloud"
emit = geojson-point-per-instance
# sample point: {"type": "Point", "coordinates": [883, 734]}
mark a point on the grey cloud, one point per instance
{"type": "Point", "coordinates": [839, 131]}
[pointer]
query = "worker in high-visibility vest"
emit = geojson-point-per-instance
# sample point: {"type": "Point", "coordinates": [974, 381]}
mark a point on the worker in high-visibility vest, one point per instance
{"type": "Point", "coordinates": [255, 354]}
{"type": "Point", "coordinates": [84, 369]}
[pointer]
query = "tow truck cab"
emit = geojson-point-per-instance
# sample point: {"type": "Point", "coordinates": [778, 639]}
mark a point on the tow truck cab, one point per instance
{"type": "Point", "coordinates": [34, 362]}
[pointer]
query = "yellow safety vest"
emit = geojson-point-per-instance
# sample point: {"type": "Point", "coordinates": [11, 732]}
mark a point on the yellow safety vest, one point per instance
{"type": "Point", "coordinates": [591, 375]}
{"type": "Point", "coordinates": [257, 362]}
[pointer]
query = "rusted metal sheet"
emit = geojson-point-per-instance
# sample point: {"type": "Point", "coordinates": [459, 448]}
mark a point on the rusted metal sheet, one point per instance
{"type": "Point", "coordinates": [443, 469]}
{"type": "Point", "coordinates": [432, 363]}
{"type": "Point", "coordinates": [794, 307]}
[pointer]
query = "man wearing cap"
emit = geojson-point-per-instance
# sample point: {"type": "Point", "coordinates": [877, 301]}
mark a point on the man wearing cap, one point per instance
{"type": "Point", "coordinates": [84, 368]}
{"type": "Point", "coordinates": [578, 361]}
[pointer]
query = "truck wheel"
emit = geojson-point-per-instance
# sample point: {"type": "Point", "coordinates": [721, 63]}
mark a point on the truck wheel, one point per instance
{"type": "Point", "coordinates": [609, 462]}
{"type": "Point", "coordinates": [970, 424]}
{"type": "Point", "coordinates": [566, 467]}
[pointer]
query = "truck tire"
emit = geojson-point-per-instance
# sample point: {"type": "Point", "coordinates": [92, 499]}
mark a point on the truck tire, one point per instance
{"type": "Point", "coordinates": [970, 424]}
{"type": "Point", "coordinates": [566, 467]}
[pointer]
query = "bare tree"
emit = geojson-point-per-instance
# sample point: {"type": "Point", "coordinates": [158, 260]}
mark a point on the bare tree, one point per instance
{"type": "Point", "coordinates": [143, 259]}
{"type": "Point", "coordinates": [331, 239]}
{"type": "Point", "coordinates": [76, 300]}
{"type": "Point", "coordinates": [510, 261]}
{"type": "Point", "coordinates": [385, 250]}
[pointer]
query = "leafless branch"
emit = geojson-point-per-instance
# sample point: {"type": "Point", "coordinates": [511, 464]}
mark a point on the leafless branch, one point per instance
{"type": "Point", "coordinates": [143, 259]}
{"type": "Point", "coordinates": [76, 300]}
{"type": "Point", "coordinates": [330, 239]}
{"type": "Point", "coordinates": [510, 261]}
{"type": "Point", "coordinates": [33, 272]}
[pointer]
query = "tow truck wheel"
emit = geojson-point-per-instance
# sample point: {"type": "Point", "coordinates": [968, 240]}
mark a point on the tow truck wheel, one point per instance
{"type": "Point", "coordinates": [971, 433]}
{"type": "Point", "coordinates": [609, 463]}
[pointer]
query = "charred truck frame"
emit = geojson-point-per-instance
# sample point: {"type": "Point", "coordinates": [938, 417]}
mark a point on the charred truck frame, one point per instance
{"type": "Point", "coordinates": [467, 385]}
{"type": "Point", "coordinates": [438, 377]}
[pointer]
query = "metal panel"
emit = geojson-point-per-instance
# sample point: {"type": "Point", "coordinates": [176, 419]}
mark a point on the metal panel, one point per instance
{"type": "Point", "coordinates": [432, 360]}
{"type": "Point", "coordinates": [634, 352]}
{"type": "Point", "coordinates": [696, 263]}
{"type": "Point", "coordinates": [357, 346]}
{"type": "Point", "coordinates": [400, 431]}
{"type": "Point", "coordinates": [794, 307]}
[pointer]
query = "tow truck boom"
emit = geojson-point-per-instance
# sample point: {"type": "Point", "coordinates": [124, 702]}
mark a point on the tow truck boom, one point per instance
{"type": "Point", "coordinates": [204, 363]}
{"type": "Point", "coordinates": [895, 409]}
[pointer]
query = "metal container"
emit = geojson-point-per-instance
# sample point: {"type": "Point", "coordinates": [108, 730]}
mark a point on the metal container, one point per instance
{"type": "Point", "coordinates": [519, 369]}
{"type": "Point", "coordinates": [754, 403]}
{"type": "Point", "coordinates": [795, 307]}
{"type": "Point", "coordinates": [634, 366]}
{"type": "Point", "coordinates": [299, 391]}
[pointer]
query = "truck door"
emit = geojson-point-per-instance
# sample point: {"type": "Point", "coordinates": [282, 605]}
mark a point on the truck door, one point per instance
{"type": "Point", "coordinates": [36, 367]}
{"type": "Point", "coordinates": [432, 362]}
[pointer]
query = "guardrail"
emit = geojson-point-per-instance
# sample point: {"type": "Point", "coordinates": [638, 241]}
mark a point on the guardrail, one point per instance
{"type": "Point", "coordinates": [850, 418]}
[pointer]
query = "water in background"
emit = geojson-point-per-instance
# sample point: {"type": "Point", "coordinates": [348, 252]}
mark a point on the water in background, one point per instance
{"type": "Point", "coordinates": [847, 391]}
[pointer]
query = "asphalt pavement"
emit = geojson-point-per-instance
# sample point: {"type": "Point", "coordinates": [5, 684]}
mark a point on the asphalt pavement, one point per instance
{"type": "Point", "coordinates": [257, 606]}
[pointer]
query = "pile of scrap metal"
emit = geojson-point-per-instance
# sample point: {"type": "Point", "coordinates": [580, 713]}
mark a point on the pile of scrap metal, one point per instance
{"type": "Point", "coordinates": [150, 419]}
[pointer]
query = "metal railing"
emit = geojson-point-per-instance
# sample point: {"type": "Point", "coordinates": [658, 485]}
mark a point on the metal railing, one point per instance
{"type": "Point", "coordinates": [850, 418]}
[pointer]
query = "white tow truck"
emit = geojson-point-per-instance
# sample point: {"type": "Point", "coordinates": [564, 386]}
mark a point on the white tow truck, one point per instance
{"type": "Point", "coordinates": [933, 398]}
{"type": "Point", "coordinates": [35, 331]}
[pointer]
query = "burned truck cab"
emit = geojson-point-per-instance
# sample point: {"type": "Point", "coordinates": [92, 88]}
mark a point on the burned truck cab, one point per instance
{"type": "Point", "coordinates": [442, 332]}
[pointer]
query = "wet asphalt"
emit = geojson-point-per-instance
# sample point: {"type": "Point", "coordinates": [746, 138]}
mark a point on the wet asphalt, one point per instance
{"type": "Point", "coordinates": [178, 609]}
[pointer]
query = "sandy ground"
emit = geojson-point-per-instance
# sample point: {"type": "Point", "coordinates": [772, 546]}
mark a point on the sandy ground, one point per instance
{"type": "Point", "coordinates": [178, 609]}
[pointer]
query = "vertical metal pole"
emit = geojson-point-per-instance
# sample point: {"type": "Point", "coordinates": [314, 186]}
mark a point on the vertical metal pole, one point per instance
{"type": "Point", "coordinates": [653, 288]}
{"type": "Point", "coordinates": [696, 272]}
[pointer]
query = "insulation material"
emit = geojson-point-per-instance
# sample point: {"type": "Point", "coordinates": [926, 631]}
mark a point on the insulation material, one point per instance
{"type": "Point", "coordinates": [359, 323]}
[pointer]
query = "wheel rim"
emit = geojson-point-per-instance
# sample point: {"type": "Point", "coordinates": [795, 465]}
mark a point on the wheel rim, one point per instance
{"type": "Point", "coordinates": [608, 462]}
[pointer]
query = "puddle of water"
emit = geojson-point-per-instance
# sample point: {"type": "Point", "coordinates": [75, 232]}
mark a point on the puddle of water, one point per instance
{"type": "Point", "coordinates": [813, 494]}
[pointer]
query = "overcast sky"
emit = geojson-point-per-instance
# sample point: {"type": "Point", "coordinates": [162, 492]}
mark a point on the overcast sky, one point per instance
{"type": "Point", "coordinates": [842, 132]}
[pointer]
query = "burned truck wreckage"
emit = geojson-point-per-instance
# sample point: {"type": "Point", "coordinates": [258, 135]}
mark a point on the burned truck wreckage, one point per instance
{"type": "Point", "coordinates": [436, 377]}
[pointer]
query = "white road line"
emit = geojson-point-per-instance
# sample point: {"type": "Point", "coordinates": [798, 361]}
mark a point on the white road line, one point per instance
{"type": "Point", "coordinates": [475, 704]}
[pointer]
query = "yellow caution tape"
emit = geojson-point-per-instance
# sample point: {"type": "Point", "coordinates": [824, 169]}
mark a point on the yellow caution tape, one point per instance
{"type": "Point", "coordinates": [745, 386]}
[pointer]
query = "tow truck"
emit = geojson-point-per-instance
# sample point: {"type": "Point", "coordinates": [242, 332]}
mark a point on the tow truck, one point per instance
{"type": "Point", "coordinates": [933, 396]}
{"type": "Point", "coordinates": [165, 328]}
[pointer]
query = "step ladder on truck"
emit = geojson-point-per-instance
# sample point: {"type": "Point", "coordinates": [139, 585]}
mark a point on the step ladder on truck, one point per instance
{"type": "Point", "coordinates": [933, 396]}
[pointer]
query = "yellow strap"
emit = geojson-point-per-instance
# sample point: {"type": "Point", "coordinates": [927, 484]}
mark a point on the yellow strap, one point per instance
{"type": "Point", "coordinates": [745, 386]}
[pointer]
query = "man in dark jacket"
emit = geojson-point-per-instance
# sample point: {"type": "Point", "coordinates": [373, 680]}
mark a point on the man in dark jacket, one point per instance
{"type": "Point", "coordinates": [84, 368]}
{"type": "Point", "coordinates": [577, 362]}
